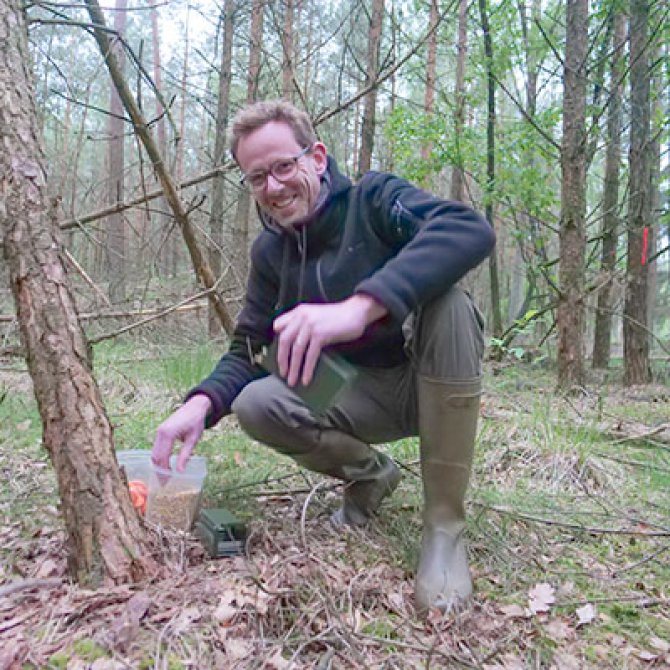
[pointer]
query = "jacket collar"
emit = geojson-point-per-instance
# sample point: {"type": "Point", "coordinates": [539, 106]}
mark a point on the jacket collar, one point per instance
{"type": "Point", "coordinates": [319, 222]}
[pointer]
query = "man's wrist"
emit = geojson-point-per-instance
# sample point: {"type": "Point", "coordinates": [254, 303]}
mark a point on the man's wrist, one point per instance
{"type": "Point", "coordinates": [202, 402]}
{"type": "Point", "coordinates": [369, 306]}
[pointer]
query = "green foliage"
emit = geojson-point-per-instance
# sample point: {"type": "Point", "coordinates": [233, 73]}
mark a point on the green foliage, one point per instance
{"type": "Point", "coordinates": [183, 370]}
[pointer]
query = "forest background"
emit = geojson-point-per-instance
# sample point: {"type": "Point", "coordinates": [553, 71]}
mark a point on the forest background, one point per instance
{"type": "Point", "coordinates": [551, 118]}
{"type": "Point", "coordinates": [560, 136]}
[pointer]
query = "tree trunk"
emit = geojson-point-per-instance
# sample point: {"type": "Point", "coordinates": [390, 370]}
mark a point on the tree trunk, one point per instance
{"type": "Point", "coordinates": [657, 82]}
{"type": "Point", "coordinates": [287, 68]}
{"type": "Point", "coordinates": [457, 185]}
{"type": "Point", "coordinates": [431, 74]}
{"type": "Point", "coordinates": [164, 222]}
{"type": "Point", "coordinates": [116, 225]}
{"type": "Point", "coordinates": [105, 537]}
{"type": "Point", "coordinates": [240, 232]}
{"type": "Point", "coordinates": [368, 125]}
{"type": "Point", "coordinates": [218, 182]}
{"type": "Point", "coordinates": [572, 237]}
{"type": "Point", "coordinates": [490, 166]}
{"type": "Point", "coordinates": [524, 271]}
{"type": "Point", "coordinates": [610, 223]}
{"type": "Point", "coordinates": [635, 334]}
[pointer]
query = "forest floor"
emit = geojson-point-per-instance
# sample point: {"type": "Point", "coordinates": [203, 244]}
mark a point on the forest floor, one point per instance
{"type": "Point", "coordinates": [569, 540]}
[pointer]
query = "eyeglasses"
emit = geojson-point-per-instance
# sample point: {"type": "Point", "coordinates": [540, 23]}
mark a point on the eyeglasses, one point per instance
{"type": "Point", "coordinates": [282, 170]}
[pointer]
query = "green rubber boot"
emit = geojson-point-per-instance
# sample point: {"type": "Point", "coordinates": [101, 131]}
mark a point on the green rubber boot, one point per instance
{"type": "Point", "coordinates": [448, 413]}
{"type": "Point", "coordinates": [369, 474]}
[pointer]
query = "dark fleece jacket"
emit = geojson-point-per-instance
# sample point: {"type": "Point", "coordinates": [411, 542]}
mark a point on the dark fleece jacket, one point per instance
{"type": "Point", "coordinates": [383, 237]}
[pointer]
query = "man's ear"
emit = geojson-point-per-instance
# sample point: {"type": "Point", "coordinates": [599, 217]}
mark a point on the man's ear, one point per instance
{"type": "Point", "coordinates": [320, 156]}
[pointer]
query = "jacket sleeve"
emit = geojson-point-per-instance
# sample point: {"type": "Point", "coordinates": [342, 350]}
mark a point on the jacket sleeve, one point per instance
{"type": "Point", "coordinates": [253, 329]}
{"type": "Point", "coordinates": [436, 242]}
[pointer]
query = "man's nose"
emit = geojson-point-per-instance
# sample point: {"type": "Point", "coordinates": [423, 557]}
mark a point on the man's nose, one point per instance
{"type": "Point", "coordinates": [272, 184]}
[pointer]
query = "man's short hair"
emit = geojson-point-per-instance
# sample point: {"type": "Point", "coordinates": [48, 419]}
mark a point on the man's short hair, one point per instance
{"type": "Point", "coordinates": [258, 114]}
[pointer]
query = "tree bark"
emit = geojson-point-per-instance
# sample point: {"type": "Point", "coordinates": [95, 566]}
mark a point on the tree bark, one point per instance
{"type": "Point", "coordinates": [240, 231]}
{"type": "Point", "coordinates": [368, 124]}
{"type": "Point", "coordinates": [106, 541]}
{"type": "Point", "coordinates": [163, 218]}
{"type": "Point", "coordinates": [490, 166]}
{"type": "Point", "coordinates": [116, 225]}
{"type": "Point", "coordinates": [572, 237]}
{"type": "Point", "coordinates": [218, 182]}
{"type": "Point", "coordinates": [201, 267]}
{"type": "Point", "coordinates": [637, 369]}
{"type": "Point", "coordinates": [457, 184]}
{"type": "Point", "coordinates": [431, 74]}
{"type": "Point", "coordinates": [288, 48]}
{"type": "Point", "coordinates": [610, 223]}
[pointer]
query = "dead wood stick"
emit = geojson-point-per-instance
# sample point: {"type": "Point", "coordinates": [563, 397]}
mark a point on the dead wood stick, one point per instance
{"type": "Point", "coordinates": [92, 316]}
{"type": "Point", "coordinates": [75, 264]}
{"type": "Point", "coordinates": [180, 305]}
{"type": "Point", "coordinates": [573, 526]}
{"type": "Point", "coordinates": [151, 195]}
{"type": "Point", "coordinates": [26, 584]}
{"type": "Point", "coordinates": [642, 436]}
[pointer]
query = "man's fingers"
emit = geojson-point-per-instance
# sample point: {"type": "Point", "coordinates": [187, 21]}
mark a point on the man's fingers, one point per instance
{"type": "Point", "coordinates": [185, 454]}
{"type": "Point", "coordinates": [160, 453]}
{"type": "Point", "coordinates": [310, 361]}
{"type": "Point", "coordinates": [297, 357]}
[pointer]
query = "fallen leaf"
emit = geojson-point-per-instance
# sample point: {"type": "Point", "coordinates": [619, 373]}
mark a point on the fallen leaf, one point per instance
{"type": "Point", "coordinates": [585, 614]}
{"type": "Point", "coordinates": [563, 661]}
{"type": "Point", "coordinates": [48, 568]}
{"type": "Point", "coordinates": [558, 630]}
{"type": "Point", "coordinates": [239, 461]}
{"type": "Point", "coordinates": [397, 602]}
{"type": "Point", "coordinates": [658, 644]}
{"type": "Point", "coordinates": [238, 649]}
{"type": "Point", "coordinates": [186, 618]}
{"type": "Point", "coordinates": [138, 605]}
{"type": "Point", "coordinates": [23, 425]}
{"type": "Point", "coordinates": [646, 656]}
{"type": "Point", "coordinates": [513, 611]}
{"type": "Point", "coordinates": [224, 612]}
{"type": "Point", "coordinates": [125, 629]}
{"type": "Point", "coordinates": [277, 662]}
{"type": "Point", "coordinates": [541, 597]}
{"type": "Point", "coordinates": [107, 664]}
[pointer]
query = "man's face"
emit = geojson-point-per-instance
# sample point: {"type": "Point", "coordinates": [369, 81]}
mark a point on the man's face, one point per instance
{"type": "Point", "coordinates": [289, 201]}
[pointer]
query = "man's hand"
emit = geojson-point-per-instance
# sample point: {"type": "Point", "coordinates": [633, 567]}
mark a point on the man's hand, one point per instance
{"type": "Point", "coordinates": [308, 328]}
{"type": "Point", "coordinates": [185, 425]}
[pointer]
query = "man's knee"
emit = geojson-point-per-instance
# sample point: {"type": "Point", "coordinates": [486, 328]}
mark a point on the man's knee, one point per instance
{"type": "Point", "coordinates": [449, 337]}
{"type": "Point", "coordinates": [252, 411]}
{"type": "Point", "coordinates": [270, 413]}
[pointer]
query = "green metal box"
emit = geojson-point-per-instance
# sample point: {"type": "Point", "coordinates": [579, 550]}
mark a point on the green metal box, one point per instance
{"type": "Point", "coordinates": [332, 376]}
{"type": "Point", "coordinates": [221, 533]}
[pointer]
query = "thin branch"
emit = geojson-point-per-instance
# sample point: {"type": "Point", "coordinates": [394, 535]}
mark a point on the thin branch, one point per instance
{"type": "Point", "coordinates": [324, 116]}
{"type": "Point", "coordinates": [572, 526]}
{"type": "Point", "coordinates": [152, 195]}
{"type": "Point", "coordinates": [155, 317]}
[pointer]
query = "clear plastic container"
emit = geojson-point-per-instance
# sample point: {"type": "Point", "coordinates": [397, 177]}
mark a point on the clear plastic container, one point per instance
{"type": "Point", "coordinates": [137, 464]}
{"type": "Point", "coordinates": [173, 497]}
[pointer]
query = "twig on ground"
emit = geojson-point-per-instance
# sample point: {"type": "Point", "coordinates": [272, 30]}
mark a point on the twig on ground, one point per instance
{"type": "Point", "coordinates": [25, 584]}
{"type": "Point", "coordinates": [642, 561]}
{"type": "Point", "coordinates": [303, 515]}
{"type": "Point", "coordinates": [574, 526]}
{"type": "Point", "coordinates": [635, 600]}
{"type": "Point", "coordinates": [449, 656]}
{"type": "Point", "coordinates": [644, 436]}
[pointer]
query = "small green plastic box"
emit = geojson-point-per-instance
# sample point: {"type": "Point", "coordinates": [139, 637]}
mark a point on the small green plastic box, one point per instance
{"type": "Point", "coordinates": [221, 533]}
